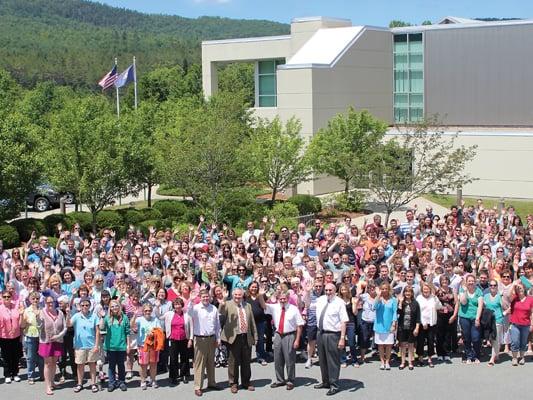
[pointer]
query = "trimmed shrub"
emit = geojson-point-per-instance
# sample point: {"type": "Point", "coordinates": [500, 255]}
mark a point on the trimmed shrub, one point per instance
{"type": "Point", "coordinates": [83, 218]}
{"type": "Point", "coordinates": [51, 221]}
{"type": "Point", "coordinates": [130, 216]}
{"type": "Point", "coordinates": [150, 213]}
{"type": "Point", "coordinates": [52, 241]}
{"type": "Point", "coordinates": [9, 236]}
{"type": "Point", "coordinates": [285, 214]}
{"type": "Point", "coordinates": [26, 226]}
{"type": "Point", "coordinates": [306, 204]}
{"type": "Point", "coordinates": [351, 202]}
{"type": "Point", "coordinates": [172, 209]}
{"type": "Point", "coordinates": [109, 219]}
{"type": "Point", "coordinates": [144, 225]}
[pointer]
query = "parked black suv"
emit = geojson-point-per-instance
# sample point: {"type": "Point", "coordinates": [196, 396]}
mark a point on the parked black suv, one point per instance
{"type": "Point", "coordinates": [45, 197]}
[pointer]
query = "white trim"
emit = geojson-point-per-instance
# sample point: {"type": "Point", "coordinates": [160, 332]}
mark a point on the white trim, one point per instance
{"type": "Point", "coordinates": [420, 28]}
{"type": "Point", "coordinates": [399, 131]}
{"type": "Point", "coordinates": [319, 18]}
{"type": "Point", "coordinates": [246, 40]}
{"type": "Point", "coordinates": [256, 83]}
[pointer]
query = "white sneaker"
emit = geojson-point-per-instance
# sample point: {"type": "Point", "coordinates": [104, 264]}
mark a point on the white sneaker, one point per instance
{"type": "Point", "coordinates": [308, 363]}
{"type": "Point", "coordinates": [447, 358]}
{"type": "Point", "coordinates": [8, 380]}
{"type": "Point", "coordinates": [440, 358]}
{"type": "Point", "coordinates": [16, 378]}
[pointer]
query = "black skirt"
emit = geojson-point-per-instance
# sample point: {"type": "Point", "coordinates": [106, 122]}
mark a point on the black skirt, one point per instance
{"type": "Point", "coordinates": [406, 336]}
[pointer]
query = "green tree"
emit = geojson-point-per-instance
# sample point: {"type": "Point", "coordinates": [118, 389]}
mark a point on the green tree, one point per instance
{"type": "Point", "coordinates": [238, 77]}
{"type": "Point", "coordinates": [421, 160]}
{"type": "Point", "coordinates": [86, 153]}
{"type": "Point", "coordinates": [202, 153]}
{"type": "Point", "coordinates": [398, 24]}
{"type": "Point", "coordinates": [142, 151]}
{"type": "Point", "coordinates": [427, 22]}
{"type": "Point", "coordinates": [345, 147]}
{"type": "Point", "coordinates": [20, 166]}
{"type": "Point", "coordinates": [278, 154]}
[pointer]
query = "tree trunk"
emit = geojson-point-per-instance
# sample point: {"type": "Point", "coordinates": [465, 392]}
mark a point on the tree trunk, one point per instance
{"type": "Point", "coordinates": [273, 199]}
{"type": "Point", "coordinates": [94, 214]}
{"type": "Point", "coordinates": [346, 186]}
{"type": "Point", "coordinates": [149, 195]}
{"type": "Point", "coordinates": [387, 216]}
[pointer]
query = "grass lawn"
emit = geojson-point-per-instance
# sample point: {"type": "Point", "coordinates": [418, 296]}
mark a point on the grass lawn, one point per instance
{"type": "Point", "coordinates": [522, 207]}
{"type": "Point", "coordinates": [136, 204]}
{"type": "Point", "coordinates": [164, 190]}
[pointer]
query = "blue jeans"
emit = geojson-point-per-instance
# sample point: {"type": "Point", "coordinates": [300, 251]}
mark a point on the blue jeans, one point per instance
{"type": "Point", "coordinates": [471, 338]}
{"type": "Point", "coordinates": [260, 346]}
{"type": "Point", "coordinates": [33, 359]}
{"type": "Point", "coordinates": [519, 335]}
{"type": "Point", "coordinates": [350, 334]}
{"type": "Point", "coordinates": [116, 361]}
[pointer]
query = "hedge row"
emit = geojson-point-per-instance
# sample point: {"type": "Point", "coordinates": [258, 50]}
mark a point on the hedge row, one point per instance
{"type": "Point", "coordinates": [165, 213]}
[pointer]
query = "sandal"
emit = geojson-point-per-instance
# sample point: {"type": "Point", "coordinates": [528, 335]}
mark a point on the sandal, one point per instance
{"type": "Point", "coordinates": [94, 388]}
{"type": "Point", "coordinates": [78, 388]}
{"type": "Point", "coordinates": [49, 392]}
{"type": "Point", "coordinates": [402, 366]}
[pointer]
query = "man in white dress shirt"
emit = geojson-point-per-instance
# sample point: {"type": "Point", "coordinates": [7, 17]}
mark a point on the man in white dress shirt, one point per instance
{"type": "Point", "coordinates": [331, 321]}
{"type": "Point", "coordinates": [206, 329]}
{"type": "Point", "coordinates": [289, 324]}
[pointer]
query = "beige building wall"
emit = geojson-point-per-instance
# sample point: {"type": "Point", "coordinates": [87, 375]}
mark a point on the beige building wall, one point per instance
{"type": "Point", "coordinates": [502, 165]}
{"type": "Point", "coordinates": [480, 75]}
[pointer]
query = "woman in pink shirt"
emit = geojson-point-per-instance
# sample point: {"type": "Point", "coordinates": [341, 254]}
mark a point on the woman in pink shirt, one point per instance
{"type": "Point", "coordinates": [521, 321]}
{"type": "Point", "coordinates": [178, 331]}
{"type": "Point", "coordinates": [10, 344]}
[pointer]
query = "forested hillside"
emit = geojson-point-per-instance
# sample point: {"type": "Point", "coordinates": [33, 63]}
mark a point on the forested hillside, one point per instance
{"type": "Point", "coordinates": [73, 42]}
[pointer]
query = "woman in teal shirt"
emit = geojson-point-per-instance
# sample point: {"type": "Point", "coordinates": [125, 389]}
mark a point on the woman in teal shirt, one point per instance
{"type": "Point", "coordinates": [385, 324]}
{"type": "Point", "coordinates": [470, 308]}
{"type": "Point", "coordinates": [117, 328]}
{"type": "Point", "coordinates": [493, 301]}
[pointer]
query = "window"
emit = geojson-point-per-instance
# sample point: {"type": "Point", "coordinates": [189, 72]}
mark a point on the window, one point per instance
{"type": "Point", "coordinates": [408, 77]}
{"type": "Point", "coordinates": [266, 92]}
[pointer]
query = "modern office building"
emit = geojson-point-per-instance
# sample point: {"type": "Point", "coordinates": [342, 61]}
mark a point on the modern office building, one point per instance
{"type": "Point", "coordinates": [476, 76]}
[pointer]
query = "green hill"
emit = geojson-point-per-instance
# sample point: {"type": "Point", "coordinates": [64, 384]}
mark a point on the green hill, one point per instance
{"type": "Point", "coordinates": [73, 42]}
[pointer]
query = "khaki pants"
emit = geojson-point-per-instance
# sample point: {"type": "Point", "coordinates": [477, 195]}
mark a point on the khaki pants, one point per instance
{"type": "Point", "coordinates": [204, 361]}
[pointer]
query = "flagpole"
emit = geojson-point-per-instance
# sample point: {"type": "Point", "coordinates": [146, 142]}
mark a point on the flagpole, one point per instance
{"type": "Point", "coordinates": [135, 80]}
{"type": "Point", "coordinates": [116, 88]}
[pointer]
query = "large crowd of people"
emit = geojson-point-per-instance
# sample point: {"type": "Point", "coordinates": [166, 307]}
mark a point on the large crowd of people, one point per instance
{"type": "Point", "coordinates": [425, 290]}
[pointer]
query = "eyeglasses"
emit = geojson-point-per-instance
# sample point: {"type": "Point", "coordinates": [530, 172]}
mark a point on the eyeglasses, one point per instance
{"type": "Point", "coordinates": [85, 305]}
{"type": "Point", "coordinates": [499, 251]}
{"type": "Point", "coordinates": [506, 277]}
{"type": "Point", "coordinates": [493, 285]}
{"type": "Point", "coordinates": [329, 290]}
{"type": "Point", "coordinates": [6, 297]}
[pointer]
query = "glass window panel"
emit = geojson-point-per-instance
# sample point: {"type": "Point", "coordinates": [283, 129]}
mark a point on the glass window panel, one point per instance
{"type": "Point", "coordinates": [400, 114]}
{"type": "Point", "coordinates": [400, 43]}
{"type": "Point", "coordinates": [416, 100]}
{"type": "Point", "coordinates": [400, 61]}
{"type": "Point", "coordinates": [267, 85]}
{"type": "Point", "coordinates": [401, 100]}
{"type": "Point", "coordinates": [416, 61]}
{"type": "Point", "coordinates": [280, 62]}
{"type": "Point", "coordinates": [416, 83]}
{"type": "Point", "coordinates": [267, 101]}
{"type": "Point", "coordinates": [267, 67]}
{"type": "Point", "coordinates": [401, 81]}
{"type": "Point", "coordinates": [416, 114]}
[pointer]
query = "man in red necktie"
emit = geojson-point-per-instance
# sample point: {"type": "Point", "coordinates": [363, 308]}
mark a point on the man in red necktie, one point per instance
{"type": "Point", "coordinates": [289, 324]}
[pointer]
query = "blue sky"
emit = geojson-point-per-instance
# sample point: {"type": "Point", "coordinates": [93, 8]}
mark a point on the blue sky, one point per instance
{"type": "Point", "coordinates": [375, 12]}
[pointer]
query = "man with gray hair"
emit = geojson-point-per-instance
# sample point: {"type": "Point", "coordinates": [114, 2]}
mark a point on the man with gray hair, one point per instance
{"type": "Point", "coordinates": [289, 324]}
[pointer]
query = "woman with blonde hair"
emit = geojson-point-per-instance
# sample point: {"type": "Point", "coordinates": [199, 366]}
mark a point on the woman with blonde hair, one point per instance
{"type": "Point", "coordinates": [117, 327]}
{"type": "Point", "coordinates": [385, 324]}
{"type": "Point", "coordinates": [429, 304]}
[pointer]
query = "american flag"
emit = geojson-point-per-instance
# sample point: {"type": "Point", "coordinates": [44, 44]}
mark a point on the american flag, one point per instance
{"type": "Point", "coordinates": [109, 79]}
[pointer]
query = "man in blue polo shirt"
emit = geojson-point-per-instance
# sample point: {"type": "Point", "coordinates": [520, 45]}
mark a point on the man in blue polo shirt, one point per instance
{"type": "Point", "coordinates": [86, 339]}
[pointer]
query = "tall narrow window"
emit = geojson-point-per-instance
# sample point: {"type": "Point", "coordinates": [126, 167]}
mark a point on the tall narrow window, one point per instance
{"type": "Point", "coordinates": [266, 92]}
{"type": "Point", "coordinates": [408, 77]}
